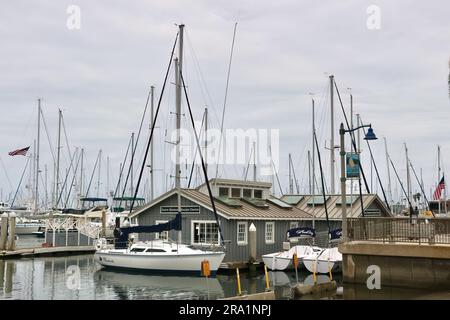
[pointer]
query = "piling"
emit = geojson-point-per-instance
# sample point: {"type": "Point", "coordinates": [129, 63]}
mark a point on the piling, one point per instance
{"type": "Point", "coordinates": [12, 232]}
{"type": "Point", "coordinates": [4, 231]}
{"type": "Point", "coordinates": [252, 248]}
{"type": "Point", "coordinates": [267, 278]}
{"type": "Point", "coordinates": [238, 278]}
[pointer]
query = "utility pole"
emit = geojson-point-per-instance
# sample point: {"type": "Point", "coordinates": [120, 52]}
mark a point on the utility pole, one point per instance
{"type": "Point", "coordinates": [332, 158]}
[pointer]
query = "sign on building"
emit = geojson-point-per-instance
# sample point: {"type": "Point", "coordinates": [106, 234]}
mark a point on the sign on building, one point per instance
{"type": "Point", "coordinates": [352, 165]}
{"type": "Point", "coordinates": [184, 209]}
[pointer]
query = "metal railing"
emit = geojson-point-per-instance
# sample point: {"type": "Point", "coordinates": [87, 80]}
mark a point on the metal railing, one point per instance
{"type": "Point", "coordinates": [401, 229]}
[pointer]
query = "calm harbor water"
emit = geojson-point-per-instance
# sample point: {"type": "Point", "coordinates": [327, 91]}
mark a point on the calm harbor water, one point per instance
{"type": "Point", "coordinates": [79, 277]}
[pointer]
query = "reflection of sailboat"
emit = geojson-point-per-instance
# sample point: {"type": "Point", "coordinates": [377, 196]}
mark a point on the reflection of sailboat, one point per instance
{"type": "Point", "coordinates": [321, 278]}
{"type": "Point", "coordinates": [162, 287]}
{"type": "Point", "coordinates": [279, 278]}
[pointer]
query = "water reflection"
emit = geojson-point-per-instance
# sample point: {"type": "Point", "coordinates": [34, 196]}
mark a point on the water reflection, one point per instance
{"type": "Point", "coordinates": [79, 277]}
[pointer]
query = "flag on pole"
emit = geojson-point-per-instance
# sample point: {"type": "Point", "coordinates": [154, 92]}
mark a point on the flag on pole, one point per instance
{"type": "Point", "coordinates": [19, 152]}
{"type": "Point", "coordinates": [437, 193]}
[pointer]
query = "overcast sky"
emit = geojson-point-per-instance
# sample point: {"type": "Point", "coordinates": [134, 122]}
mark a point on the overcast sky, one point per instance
{"type": "Point", "coordinates": [100, 74]}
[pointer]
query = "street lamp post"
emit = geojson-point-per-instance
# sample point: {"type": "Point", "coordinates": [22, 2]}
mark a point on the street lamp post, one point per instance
{"type": "Point", "coordinates": [369, 136]}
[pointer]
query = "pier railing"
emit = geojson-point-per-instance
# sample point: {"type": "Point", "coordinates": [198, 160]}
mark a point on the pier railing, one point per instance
{"type": "Point", "coordinates": [401, 229]}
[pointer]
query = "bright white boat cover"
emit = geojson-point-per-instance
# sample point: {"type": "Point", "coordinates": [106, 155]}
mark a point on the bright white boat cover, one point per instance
{"type": "Point", "coordinates": [327, 260]}
{"type": "Point", "coordinates": [283, 259]}
{"type": "Point", "coordinates": [160, 257]}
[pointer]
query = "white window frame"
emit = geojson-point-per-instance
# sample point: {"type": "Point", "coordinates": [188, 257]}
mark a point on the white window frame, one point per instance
{"type": "Point", "coordinates": [166, 233]}
{"type": "Point", "coordinates": [269, 241]}
{"type": "Point", "coordinates": [293, 224]}
{"type": "Point", "coordinates": [193, 230]}
{"type": "Point", "coordinates": [245, 242]}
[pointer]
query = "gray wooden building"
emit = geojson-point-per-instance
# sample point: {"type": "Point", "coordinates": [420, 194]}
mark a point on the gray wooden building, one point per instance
{"type": "Point", "coordinates": [238, 205]}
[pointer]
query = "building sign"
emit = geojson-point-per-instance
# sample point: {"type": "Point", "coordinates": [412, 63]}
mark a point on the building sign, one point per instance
{"type": "Point", "coordinates": [352, 165]}
{"type": "Point", "coordinates": [184, 209]}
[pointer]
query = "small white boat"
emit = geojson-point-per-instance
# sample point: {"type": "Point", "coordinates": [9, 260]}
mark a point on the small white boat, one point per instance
{"type": "Point", "coordinates": [327, 260]}
{"type": "Point", "coordinates": [283, 260]}
{"type": "Point", "coordinates": [159, 256]}
{"type": "Point", "coordinates": [25, 227]}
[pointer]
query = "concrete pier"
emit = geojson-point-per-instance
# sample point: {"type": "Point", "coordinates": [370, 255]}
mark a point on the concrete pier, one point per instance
{"type": "Point", "coordinates": [409, 265]}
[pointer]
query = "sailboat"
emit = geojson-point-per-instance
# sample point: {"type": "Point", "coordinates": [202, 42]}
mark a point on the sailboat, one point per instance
{"type": "Point", "coordinates": [162, 256]}
{"type": "Point", "coordinates": [283, 260]}
{"type": "Point", "coordinates": [328, 259]}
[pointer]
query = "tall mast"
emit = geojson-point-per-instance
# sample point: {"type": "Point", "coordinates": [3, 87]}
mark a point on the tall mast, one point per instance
{"type": "Point", "coordinates": [107, 177]}
{"type": "Point", "coordinates": [309, 172]}
{"type": "Point", "coordinates": [36, 192]}
{"type": "Point", "coordinates": [291, 187]}
{"type": "Point", "coordinates": [152, 94]}
{"type": "Point", "coordinates": [388, 172]}
{"type": "Point", "coordinates": [178, 71]}
{"type": "Point", "coordinates": [33, 177]}
{"type": "Point", "coordinates": [58, 158]}
{"type": "Point", "coordinates": [332, 160]}
{"type": "Point", "coordinates": [81, 177]}
{"type": "Point", "coordinates": [313, 150]}
{"type": "Point", "coordinates": [351, 127]}
{"type": "Point", "coordinates": [99, 171]}
{"type": "Point", "coordinates": [408, 178]}
{"type": "Point", "coordinates": [206, 139]}
{"type": "Point", "coordinates": [254, 161]}
{"type": "Point", "coordinates": [131, 164]}
{"type": "Point", "coordinates": [45, 186]}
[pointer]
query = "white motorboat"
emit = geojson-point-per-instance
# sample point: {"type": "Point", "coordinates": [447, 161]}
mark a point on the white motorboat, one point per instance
{"type": "Point", "coordinates": [160, 257]}
{"type": "Point", "coordinates": [327, 260]}
{"type": "Point", "coordinates": [25, 226]}
{"type": "Point", "coordinates": [283, 260]}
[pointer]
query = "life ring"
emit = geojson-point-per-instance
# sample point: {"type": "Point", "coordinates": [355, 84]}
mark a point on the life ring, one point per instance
{"type": "Point", "coordinates": [99, 244]}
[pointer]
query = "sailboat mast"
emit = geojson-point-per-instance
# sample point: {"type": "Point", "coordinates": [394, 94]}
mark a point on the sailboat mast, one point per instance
{"type": "Point", "coordinates": [388, 171]}
{"type": "Point", "coordinates": [291, 187]}
{"type": "Point", "coordinates": [254, 161]}
{"type": "Point", "coordinates": [408, 178]}
{"type": "Point", "coordinates": [178, 71]}
{"type": "Point", "coordinates": [309, 172]}
{"type": "Point", "coordinates": [332, 156]}
{"type": "Point", "coordinates": [36, 192]}
{"type": "Point", "coordinates": [131, 164]}
{"type": "Point", "coordinates": [439, 175]}
{"type": "Point", "coordinates": [206, 139]}
{"type": "Point", "coordinates": [58, 158]}
{"type": "Point", "coordinates": [152, 94]}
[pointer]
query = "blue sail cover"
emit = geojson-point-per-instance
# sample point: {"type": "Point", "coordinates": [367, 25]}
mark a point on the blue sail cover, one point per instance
{"type": "Point", "coordinates": [301, 232]}
{"type": "Point", "coordinates": [335, 234]}
{"type": "Point", "coordinates": [121, 234]}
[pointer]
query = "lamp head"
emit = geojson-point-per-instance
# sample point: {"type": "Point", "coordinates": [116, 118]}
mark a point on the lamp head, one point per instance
{"type": "Point", "coordinates": [370, 135]}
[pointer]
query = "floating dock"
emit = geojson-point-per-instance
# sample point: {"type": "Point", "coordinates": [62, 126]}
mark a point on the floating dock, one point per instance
{"type": "Point", "coordinates": [46, 251]}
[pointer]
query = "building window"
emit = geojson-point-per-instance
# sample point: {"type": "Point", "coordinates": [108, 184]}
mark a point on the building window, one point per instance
{"type": "Point", "coordinates": [205, 232]}
{"type": "Point", "coordinates": [223, 192]}
{"type": "Point", "coordinates": [247, 193]}
{"type": "Point", "coordinates": [270, 232]}
{"type": "Point", "coordinates": [235, 192]}
{"type": "Point", "coordinates": [293, 224]}
{"type": "Point", "coordinates": [162, 235]}
{"type": "Point", "coordinates": [242, 233]}
{"type": "Point", "coordinates": [257, 194]}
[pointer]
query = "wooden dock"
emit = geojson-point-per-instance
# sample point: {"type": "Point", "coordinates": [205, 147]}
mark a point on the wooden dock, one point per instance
{"type": "Point", "coordinates": [46, 251]}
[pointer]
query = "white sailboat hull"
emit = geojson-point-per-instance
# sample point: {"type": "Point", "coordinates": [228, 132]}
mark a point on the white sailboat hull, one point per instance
{"type": "Point", "coordinates": [25, 228]}
{"type": "Point", "coordinates": [283, 260]}
{"type": "Point", "coordinates": [324, 262]}
{"type": "Point", "coordinates": [159, 263]}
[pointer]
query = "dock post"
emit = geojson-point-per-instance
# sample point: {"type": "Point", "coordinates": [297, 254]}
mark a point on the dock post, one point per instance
{"type": "Point", "coordinates": [12, 232]}
{"type": "Point", "coordinates": [252, 247]}
{"type": "Point", "coordinates": [238, 282]}
{"type": "Point", "coordinates": [4, 231]}
{"type": "Point", "coordinates": [267, 278]}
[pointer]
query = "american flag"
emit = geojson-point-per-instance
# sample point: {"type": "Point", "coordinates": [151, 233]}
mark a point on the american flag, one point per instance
{"type": "Point", "coordinates": [21, 152]}
{"type": "Point", "coordinates": [439, 188]}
